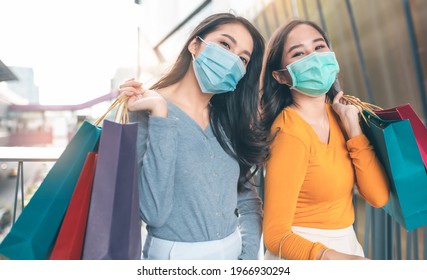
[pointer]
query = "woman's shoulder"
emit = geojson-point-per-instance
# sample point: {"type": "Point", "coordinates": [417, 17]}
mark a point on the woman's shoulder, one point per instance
{"type": "Point", "coordinates": [291, 124]}
{"type": "Point", "coordinates": [287, 120]}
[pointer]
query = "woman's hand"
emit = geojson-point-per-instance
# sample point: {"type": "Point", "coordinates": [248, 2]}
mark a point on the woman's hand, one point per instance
{"type": "Point", "coordinates": [141, 99]}
{"type": "Point", "coordinates": [330, 254]}
{"type": "Point", "coordinates": [349, 115]}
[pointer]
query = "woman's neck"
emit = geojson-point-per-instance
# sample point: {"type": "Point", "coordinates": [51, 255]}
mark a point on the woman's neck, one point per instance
{"type": "Point", "coordinates": [186, 93]}
{"type": "Point", "coordinates": [313, 109]}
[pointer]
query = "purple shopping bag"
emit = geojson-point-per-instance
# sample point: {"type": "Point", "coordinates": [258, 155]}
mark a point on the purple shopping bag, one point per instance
{"type": "Point", "coordinates": [114, 228]}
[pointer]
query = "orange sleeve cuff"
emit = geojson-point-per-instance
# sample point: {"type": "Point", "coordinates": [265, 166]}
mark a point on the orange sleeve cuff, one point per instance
{"type": "Point", "coordinates": [357, 143]}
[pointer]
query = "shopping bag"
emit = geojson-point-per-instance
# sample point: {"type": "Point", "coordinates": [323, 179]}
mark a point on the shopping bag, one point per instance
{"type": "Point", "coordinates": [69, 243]}
{"type": "Point", "coordinates": [403, 112]}
{"type": "Point", "coordinates": [114, 227]}
{"type": "Point", "coordinates": [33, 235]}
{"type": "Point", "coordinates": [397, 149]}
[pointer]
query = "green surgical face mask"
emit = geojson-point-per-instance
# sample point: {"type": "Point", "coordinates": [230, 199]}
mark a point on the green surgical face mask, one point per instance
{"type": "Point", "coordinates": [314, 74]}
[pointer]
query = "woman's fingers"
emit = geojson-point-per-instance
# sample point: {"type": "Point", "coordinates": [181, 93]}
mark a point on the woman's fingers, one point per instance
{"type": "Point", "coordinates": [131, 83]}
{"type": "Point", "coordinates": [338, 97]}
{"type": "Point", "coordinates": [129, 91]}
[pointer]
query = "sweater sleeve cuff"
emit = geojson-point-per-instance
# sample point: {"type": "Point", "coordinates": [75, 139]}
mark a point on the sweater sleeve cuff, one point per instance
{"type": "Point", "coordinates": [357, 143]}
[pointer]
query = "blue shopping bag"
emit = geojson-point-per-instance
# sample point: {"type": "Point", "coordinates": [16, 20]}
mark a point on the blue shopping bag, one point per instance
{"type": "Point", "coordinates": [34, 233]}
{"type": "Point", "coordinates": [397, 149]}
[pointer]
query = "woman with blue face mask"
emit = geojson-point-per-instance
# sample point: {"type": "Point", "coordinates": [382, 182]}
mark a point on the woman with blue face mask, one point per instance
{"type": "Point", "coordinates": [200, 144]}
{"type": "Point", "coordinates": [318, 154]}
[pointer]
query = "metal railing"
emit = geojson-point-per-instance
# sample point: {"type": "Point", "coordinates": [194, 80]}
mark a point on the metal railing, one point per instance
{"type": "Point", "coordinates": [384, 239]}
{"type": "Point", "coordinates": [26, 154]}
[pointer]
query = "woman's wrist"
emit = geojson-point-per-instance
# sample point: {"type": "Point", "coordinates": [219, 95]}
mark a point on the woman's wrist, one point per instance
{"type": "Point", "coordinates": [322, 254]}
{"type": "Point", "coordinates": [352, 126]}
{"type": "Point", "coordinates": [160, 109]}
{"type": "Point", "coordinates": [354, 130]}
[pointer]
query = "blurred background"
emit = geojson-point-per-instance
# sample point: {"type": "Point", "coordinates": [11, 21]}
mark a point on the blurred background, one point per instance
{"type": "Point", "coordinates": [61, 63]}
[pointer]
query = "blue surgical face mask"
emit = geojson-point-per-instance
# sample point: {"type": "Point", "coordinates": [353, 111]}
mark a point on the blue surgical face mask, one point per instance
{"type": "Point", "coordinates": [314, 74]}
{"type": "Point", "coordinates": [217, 70]}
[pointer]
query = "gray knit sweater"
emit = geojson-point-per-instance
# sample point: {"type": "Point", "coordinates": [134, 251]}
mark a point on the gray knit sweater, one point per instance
{"type": "Point", "coordinates": [188, 184]}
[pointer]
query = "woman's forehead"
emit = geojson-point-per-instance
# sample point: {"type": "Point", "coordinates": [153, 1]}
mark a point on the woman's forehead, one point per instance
{"type": "Point", "coordinates": [238, 32]}
{"type": "Point", "coordinates": [300, 34]}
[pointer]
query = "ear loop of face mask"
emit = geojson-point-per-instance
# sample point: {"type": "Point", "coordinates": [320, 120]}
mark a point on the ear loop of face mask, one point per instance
{"type": "Point", "coordinates": [282, 71]}
{"type": "Point", "coordinates": [201, 39]}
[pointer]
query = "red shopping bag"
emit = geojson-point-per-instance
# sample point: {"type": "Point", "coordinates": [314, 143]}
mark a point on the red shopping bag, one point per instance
{"type": "Point", "coordinates": [403, 112]}
{"type": "Point", "coordinates": [69, 243]}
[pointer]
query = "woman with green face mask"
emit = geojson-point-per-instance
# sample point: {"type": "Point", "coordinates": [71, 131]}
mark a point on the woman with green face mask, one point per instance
{"type": "Point", "coordinates": [318, 154]}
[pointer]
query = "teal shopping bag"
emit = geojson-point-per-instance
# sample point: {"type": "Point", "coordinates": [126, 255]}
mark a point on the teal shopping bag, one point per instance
{"type": "Point", "coordinates": [34, 233]}
{"type": "Point", "coordinates": [397, 149]}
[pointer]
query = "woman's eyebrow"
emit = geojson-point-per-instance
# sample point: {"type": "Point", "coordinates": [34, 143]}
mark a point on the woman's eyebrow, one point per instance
{"type": "Point", "coordinates": [295, 47]}
{"type": "Point", "coordinates": [319, 39]}
{"type": "Point", "coordinates": [235, 42]}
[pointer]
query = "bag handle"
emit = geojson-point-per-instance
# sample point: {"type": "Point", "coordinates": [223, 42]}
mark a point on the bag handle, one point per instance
{"type": "Point", "coordinates": [363, 107]}
{"type": "Point", "coordinates": [121, 104]}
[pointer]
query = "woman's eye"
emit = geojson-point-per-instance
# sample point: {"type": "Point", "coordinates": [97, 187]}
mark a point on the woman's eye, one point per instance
{"type": "Point", "coordinates": [225, 44]}
{"type": "Point", "coordinates": [244, 60]}
{"type": "Point", "coordinates": [320, 47]}
{"type": "Point", "coordinates": [297, 54]}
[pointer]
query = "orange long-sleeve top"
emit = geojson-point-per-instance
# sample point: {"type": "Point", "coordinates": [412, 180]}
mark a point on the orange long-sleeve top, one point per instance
{"type": "Point", "coordinates": [310, 183]}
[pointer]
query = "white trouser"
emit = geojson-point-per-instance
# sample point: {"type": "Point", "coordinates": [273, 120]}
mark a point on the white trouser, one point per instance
{"type": "Point", "coordinates": [341, 240]}
{"type": "Point", "coordinates": [228, 248]}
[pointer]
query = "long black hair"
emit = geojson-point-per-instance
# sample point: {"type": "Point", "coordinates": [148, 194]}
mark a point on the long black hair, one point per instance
{"type": "Point", "coordinates": [276, 96]}
{"type": "Point", "coordinates": [234, 116]}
